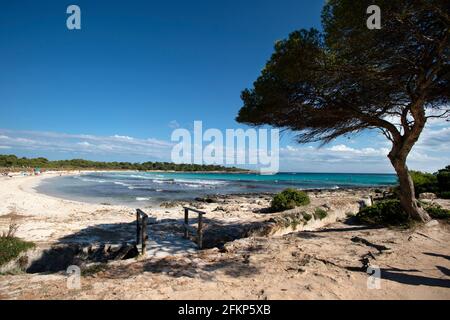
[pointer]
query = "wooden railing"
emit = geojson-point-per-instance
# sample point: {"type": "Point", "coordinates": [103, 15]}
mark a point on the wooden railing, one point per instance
{"type": "Point", "coordinates": [199, 230]}
{"type": "Point", "coordinates": [141, 229]}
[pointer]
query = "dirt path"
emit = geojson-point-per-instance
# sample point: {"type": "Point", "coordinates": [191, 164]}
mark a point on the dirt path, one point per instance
{"type": "Point", "coordinates": [322, 264]}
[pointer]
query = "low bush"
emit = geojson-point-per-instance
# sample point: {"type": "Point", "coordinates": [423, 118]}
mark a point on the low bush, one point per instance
{"type": "Point", "coordinates": [93, 269]}
{"type": "Point", "coordinates": [424, 182]}
{"type": "Point", "coordinates": [386, 213]}
{"type": "Point", "coordinates": [444, 195]}
{"type": "Point", "coordinates": [289, 199]}
{"type": "Point", "coordinates": [436, 211]}
{"type": "Point", "coordinates": [443, 178]}
{"type": "Point", "coordinates": [390, 213]}
{"type": "Point", "coordinates": [307, 216]}
{"type": "Point", "coordinates": [320, 213]}
{"type": "Point", "coordinates": [11, 247]}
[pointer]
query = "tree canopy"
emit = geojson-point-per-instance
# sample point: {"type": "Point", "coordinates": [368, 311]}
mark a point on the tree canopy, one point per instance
{"type": "Point", "coordinates": [347, 78]}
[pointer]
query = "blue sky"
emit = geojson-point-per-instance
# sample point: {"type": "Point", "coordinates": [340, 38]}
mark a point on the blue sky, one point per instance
{"type": "Point", "coordinates": [116, 89]}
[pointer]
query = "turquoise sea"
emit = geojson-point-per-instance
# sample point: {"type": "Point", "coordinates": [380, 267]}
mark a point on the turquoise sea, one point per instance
{"type": "Point", "coordinates": [144, 188]}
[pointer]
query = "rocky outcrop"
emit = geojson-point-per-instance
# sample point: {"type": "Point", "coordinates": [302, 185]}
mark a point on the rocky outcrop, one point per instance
{"type": "Point", "coordinates": [427, 196]}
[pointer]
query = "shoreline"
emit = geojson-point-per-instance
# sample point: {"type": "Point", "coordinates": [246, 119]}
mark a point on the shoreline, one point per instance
{"type": "Point", "coordinates": [47, 218]}
{"type": "Point", "coordinates": [156, 204]}
{"type": "Point", "coordinates": [306, 262]}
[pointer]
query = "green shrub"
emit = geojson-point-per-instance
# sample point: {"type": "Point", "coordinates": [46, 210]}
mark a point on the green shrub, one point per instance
{"type": "Point", "coordinates": [386, 213]}
{"type": "Point", "coordinates": [307, 216]}
{"type": "Point", "coordinates": [320, 213]}
{"type": "Point", "coordinates": [424, 182]}
{"type": "Point", "coordinates": [444, 195]}
{"type": "Point", "coordinates": [11, 247]}
{"type": "Point", "coordinates": [443, 178]}
{"type": "Point", "coordinates": [289, 199]}
{"type": "Point", "coordinates": [295, 223]}
{"type": "Point", "coordinates": [93, 269]}
{"type": "Point", "coordinates": [436, 211]}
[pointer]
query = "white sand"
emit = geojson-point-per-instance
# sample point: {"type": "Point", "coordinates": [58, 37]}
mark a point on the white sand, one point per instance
{"type": "Point", "coordinates": [302, 265]}
{"type": "Point", "coordinates": [42, 218]}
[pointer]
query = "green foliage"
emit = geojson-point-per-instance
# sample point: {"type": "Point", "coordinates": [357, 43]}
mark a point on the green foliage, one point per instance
{"type": "Point", "coordinates": [320, 214]}
{"type": "Point", "coordinates": [443, 178]}
{"type": "Point", "coordinates": [307, 216]}
{"type": "Point", "coordinates": [295, 89]}
{"type": "Point", "coordinates": [444, 195]}
{"type": "Point", "coordinates": [385, 213]}
{"type": "Point", "coordinates": [427, 182]}
{"type": "Point", "coordinates": [424, 182]}
{"type": "Point", "coordinates": [11, 247]}
{"type": "Point", "coordinates": [289, 199]}
{"type": "Point", "coordinates": [94, 269]}
{"type": "Point", "coordinates": [390, 213]}
{"type": "Point", "coordinates": [11, 161]}
{"type": "Point", "coordinates": [436, 211]}
{"type": "Point", "coordinates": [342, 78]}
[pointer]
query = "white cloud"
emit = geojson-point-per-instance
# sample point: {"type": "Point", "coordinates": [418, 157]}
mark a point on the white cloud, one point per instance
{"type": "Point", "coordinates": [361, 154]}
{"type": "Point", "coordinates": [337, 158]}
{"type": "Point", "coordinates": [174, 124]}
{"type": "Point", "coordinates": [341, 148]}
{"type": "Point", "coordinates": [117, 145]}
{"type": "Point", "coordinates": [84, 143]}
{"type": "Point", "coordinates": [122, 137]}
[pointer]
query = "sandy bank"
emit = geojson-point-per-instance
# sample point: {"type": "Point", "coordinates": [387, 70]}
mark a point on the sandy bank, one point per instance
{"type": "Point", "coordinates": [325, 259]}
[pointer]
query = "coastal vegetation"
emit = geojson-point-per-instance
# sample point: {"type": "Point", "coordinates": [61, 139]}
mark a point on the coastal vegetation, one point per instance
{"type": "Point", "coordinates": [320, 214]}
{"type": "Point", "coordinates": [438, 183]}
{"type": "Point", "coordinates": [346, 79]}
{"type": "Point", "coordinates": [443, 177]}
{"type": "Point", "coordinates": [289, 199]}
{"type": "Point", "coordinates": [391, 213]}
{"type": "Point", "coordinates": [11, 246]}
{"type": "Point", "coordinates": [386, 213]}
{"type": "Point", "coordinates": [14, 162]}
{"type": "Point", "coordinates": [424, 182]}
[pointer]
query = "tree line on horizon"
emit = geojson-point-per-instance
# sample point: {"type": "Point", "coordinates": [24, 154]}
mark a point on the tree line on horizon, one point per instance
{"type": "Point", "coordinates": [12, 161]}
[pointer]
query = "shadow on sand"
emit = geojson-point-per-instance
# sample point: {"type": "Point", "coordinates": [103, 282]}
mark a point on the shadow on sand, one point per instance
{"type": "Point", "coordinates": [117, 241]}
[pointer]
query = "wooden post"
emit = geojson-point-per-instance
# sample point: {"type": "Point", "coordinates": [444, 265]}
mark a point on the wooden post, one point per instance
{"type": "Point", "coordinates": [138, 228]}
{"type": "Point", "coordinates": [186, 223]}
{"type": "Point", "coordinates": [200, 231]}
{"type": "Point", "coordinates": [199, 228]}
{"type": "Point", "coordinates": [144, 233]}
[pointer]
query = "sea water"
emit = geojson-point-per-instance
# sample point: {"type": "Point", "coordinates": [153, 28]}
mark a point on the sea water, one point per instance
{"type": "Point", "coordinates": [151, 188]}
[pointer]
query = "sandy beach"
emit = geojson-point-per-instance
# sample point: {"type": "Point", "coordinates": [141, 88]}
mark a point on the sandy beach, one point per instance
{"type": "Point", "coordinates": [263, 258]}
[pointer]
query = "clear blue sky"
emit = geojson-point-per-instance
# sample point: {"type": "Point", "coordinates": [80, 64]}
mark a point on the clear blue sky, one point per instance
{"type": "Point", "coordinates": [135, 67]}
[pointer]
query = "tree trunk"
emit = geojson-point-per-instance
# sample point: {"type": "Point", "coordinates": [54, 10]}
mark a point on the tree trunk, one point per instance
{"type": "Point", "coordinates": [408, 199]}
